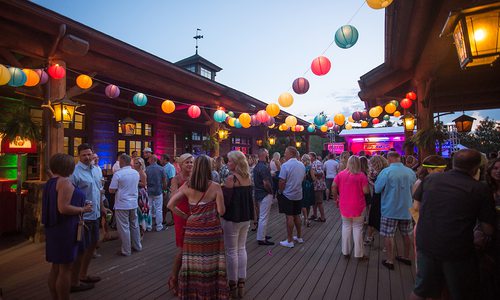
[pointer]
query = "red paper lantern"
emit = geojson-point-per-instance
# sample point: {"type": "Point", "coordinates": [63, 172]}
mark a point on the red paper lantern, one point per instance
{"type": "Point", "coordinates": [300, 85]}
{"type": "Point", "coordinates": [329, 124]}
{"type": "Point", "coordinates": [406, 103]}
{"type": "Point", "coordinates": [56, 71]}
{"type": "Point", "coordinates": [194, 111]}
{"type": "Point", "coordinates": [375, 121]}
{"type": "Point", "coordinates": [411, 95]}
{"type": "Point", "coordinates": [297, 128]}
{"type": "Point", "coordinates": [321, 65]}
{"type": "Point", "coordinates": [263, 116]}
{"type": "Point", "coordinates": [364, 115]}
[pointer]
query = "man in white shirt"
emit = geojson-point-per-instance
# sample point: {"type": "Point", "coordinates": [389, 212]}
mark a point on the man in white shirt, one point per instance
{"type": "Point", "coordinates": [289, 200]}
{"type": "Point", "coordinates": [116, 165]}
{"type": "Point", "coordinates": [331, 167]}
{"type": "Point", "coordinates": [125, 184]}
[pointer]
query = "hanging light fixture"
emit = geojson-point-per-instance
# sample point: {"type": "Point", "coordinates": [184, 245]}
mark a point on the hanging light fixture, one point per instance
{"type": "Point", "coordinates": [298, 144]}
{"type": "Point", "coordinates": [259, 142]}
{"type": "Point", "coordinates": [408, 122]}
{"type": "Point", "coordinates": [272, 140]}
{"type": "Point", "coordinates": [63, 110]}
{"type": "Point", "coordinates": [476, 34]}
{"type": "Point", "coordinates": [464, 123]}
{"type": "Point", "coordinates": [128, 126]}
{"type": "Point", "coordinates": [222, 133]}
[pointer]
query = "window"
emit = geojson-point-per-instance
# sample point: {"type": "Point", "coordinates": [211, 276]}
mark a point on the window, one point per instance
{"type": "Point", "coordinates": [121, 145]}
{"type": "Point", "coordinates": [77, 141]}
{"type": "Point", "coordinates": [206, 73]}
{"type": "Point", "coordinates": [242, 144]}
{"type": "Point", "coordinates": [71, 145]}
{"type": "Point", "coordinates": [148, 129]}
{"type": "Point", "coordinates": [195, 136]}
{"type": "Point", "coordinates": [131, 146]}
{"type": "Point", "coordinates": [191, 68]}
{"type": "Point", "coordinates": [138, 129]}
{"type": "Point", "coordinates": [78, 124]}
{"type": "Point", "coordinates": [66, 145]}
{"type": "Point", "coordinates": [135, 146]}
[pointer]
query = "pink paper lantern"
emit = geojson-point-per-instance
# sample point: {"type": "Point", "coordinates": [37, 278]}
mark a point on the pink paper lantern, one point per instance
{"type": "Point", "coordinates": [263, 116]}
{"type": "Point", "coordinates": [329, 124]}
{"type": "Point", "coordinates": [269, 121]}
{"type": "Point", "coordinates": [321, 65]}
{"type": "Point", "coordinates": [44, 77]}
{"type": "Point", "coordinates": [112, 91]}
{"type": "Point", "coordinates": [254, 121]}
{"type": "Point", "coordinates": [194, 111]}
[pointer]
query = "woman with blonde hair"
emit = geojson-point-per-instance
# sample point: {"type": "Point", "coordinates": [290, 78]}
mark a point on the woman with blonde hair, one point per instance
{"type": "Point", "coordinates": [348, 190]}
{"type": "Point", "coordinates": [203, 270]}
{"type": "Point", "coordinates": [307, 190]}
{"type": "Point", "coordinates": [375, 165]}
{"type": "Point", "coordinates": [236, 221]}
{"type": "Point", "coordinates": [185, 162]}
{"type": "Point", "coordinates": [275, 166]}
{"type": "Point", "coordinates": [143, 207]}
{"type": "Point", "coordinates": [344, 156]}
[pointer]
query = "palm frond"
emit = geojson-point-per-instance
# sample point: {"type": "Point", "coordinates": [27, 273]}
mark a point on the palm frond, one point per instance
{"type": "Point", "coordinates": [17, 122]}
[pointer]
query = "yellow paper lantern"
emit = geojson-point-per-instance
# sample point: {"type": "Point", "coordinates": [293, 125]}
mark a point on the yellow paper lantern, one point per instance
{"type": "Point", "coordinates": [350, 119]}
{"type": "Point", "coordinates": [32, 77]}
{"type": "Point", "coordinates": [364, 124]}
{"type": "Point", "coordinates": [245, 119]}
{"type": "Point", "coordinates": [283, 127]}
{"type": "Point", "coordinates": [390, 108]}
{"type": "Point", "coordinates": [245, 125]}
{"type": "Point", "coordinates": [273, 109]}
{"type": "Point", "coordinates": [378, 4]}
{"type": "Point", "coordinates": [397, 113]}
{"type": "Point", "coordinates": [231, 122]}
{"type": "Point", "coordinates": [83, 81]}
{"type": "Point", "coordinates": [168, 106]}
{"type": "Point", "coordinates": [291, 121]}
{"type": "Point", "coordinates": [323, 128]}
{"type": "Point", "coordinates": [348, 126]}
{"type": "Point", "coordinates": [272, 126]}
{"type": "Point", "coordinates": [374, 112]}
{"type": "Point", "coordinates": [285, 99]}
{"type": "Point", "coordinates": [339, 119]}
{"type": "Point", "coordinates": [4, 75]}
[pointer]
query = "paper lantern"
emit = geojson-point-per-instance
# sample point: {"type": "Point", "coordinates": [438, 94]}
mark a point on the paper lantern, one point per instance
{"type": "Point", "coordinates": [273, 109]}
{"type": "Point", "coordinates": [231, 114]}
{"type": "Point", "coordinates": [323, 128]}
{"type": "Point", "coordinates": [406, 103]}
{"type": "Point", "coordinates": [339, 119]}
{"type": "Point", "coordinates": [297, 128]}
{"type": "Point", "coordinates": [32, 77]}
{"type": "Point", "coordinates": [44, 77]}
{"type": "Point", "coordinates": [395, 102]}
{"type": "Point", "coordinates": [374, 112]}
{"type": "Point", "coordinates": [321, 65]}
{"type": "Point", "coordinates": [56, 71]}
{"type": "Point", "coordinates": [283, 127]}
{"type": "Point", "coordinates": [348, 126]}
{"type": "Point", "coordinates": [364, 124]}
{"type": "Point", "coordinates": [83, 81]}
{"type": "Point", "coordinates": [397, 113]}
{"type": "Point", "coordinates": [350, 119]}
{"type": "Point", "coordinates": [194, 111]}
{"type": "Point", "coordinates": [262, 116]}
{"type": "Point", "coordinates": [245, 118]}
{"type": "Point", "coordinates": [285, 99]}
{"type": "Point", "coordinates": [248, 125]}
{"type": "Point", "coordinates": [320, 120]}
{"type": "Point", "coordinates": [329, 124]}
{"type": "Point", "coordinates": [17, 77]}
{"type": "Point", "coordinates": [254, 121]}
{"type": "Point", "coordinates": [112, 91]}
{"type": "Point", "coordinates": [4, 75]}
{"type": "Point", "coordinates": [168, 107]}
{"type": "Point", "coordinates": [219, 116]}
{"type": "Point", "coordinates": [387, 117]}
{"type": "Point", "coordinates": [292, 128]}
{"type": "Point", "coordinates": [356, 116]}
{"type": "Point", "coordinates": [231, 121]}
{"type": "Point", "coordinates": [375, 121]}
{"type": "Point", "coordinates": [271, 126]}
{"type": "Point", "coordinates": [346, 36]}
{"type": "Point", "coordinates": [300, 85]}
{"type": "Point", "coordinates": [269, 121]}
{"type": "Point", "coordinates": [237, 123]}
{"type": "Point", "coordinates": [311, 128]}
{"type": "Point", "coordinates": [390, 108]}
{"type": "Point", "coordinates": [140, 99]}
{"type": "Point", "coordinates": [364, 115]}
{"type": "Point", "coordinates": [411, 95]}
{"type": "Point", "coordinates": [291, 121]}
{"type": "Point", "coordinates": [378, 4]}
{"type": "Point", "coordinates": [302, 128]}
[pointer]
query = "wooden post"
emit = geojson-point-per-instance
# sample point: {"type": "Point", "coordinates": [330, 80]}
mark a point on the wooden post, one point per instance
{"type": "Point", "coordinates": [424, 114]}
{"type": "Point", "coordinates": [57, 90]}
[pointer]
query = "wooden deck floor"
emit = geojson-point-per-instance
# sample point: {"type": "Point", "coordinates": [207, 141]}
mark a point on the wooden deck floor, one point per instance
{"type": "Point", "coordinates": [313, 270]}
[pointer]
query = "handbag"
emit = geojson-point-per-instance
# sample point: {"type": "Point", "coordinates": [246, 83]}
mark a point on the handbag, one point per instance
{"type": "Point", "coordinates": [80, 229]}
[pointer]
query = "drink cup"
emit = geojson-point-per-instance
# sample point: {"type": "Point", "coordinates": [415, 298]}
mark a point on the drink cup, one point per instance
{"type": "Point", "coordinates": [109, 215]}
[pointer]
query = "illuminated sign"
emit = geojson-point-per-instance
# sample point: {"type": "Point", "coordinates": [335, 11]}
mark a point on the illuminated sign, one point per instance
{"type": "Point", "coordinates": [336, 148]}
{"type": "Point", "coordinates": [18, 146]}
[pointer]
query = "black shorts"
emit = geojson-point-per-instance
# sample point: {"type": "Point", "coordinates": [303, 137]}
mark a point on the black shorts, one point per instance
{"type": "Point", "coordinates": [289, 207]}
{"type": "Point", "coordinates": [91, 235]}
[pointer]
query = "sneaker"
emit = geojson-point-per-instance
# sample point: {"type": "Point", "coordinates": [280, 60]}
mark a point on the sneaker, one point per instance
{"type": "Point", "coordinates": [265, 243]}
{"type": "Point", "coordinates": [298, 240]}
{"type": "Point", "coordinates": [287, 244]}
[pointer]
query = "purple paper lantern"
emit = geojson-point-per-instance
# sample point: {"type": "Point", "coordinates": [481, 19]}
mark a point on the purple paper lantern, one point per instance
{"type": "Point", "coordinates": [300, 85]}
{"type": "Point", "coordinates": [112, 91]}
{"type": "Point", "coordinates": [356, 116]}
{"type": "Point", "coordinates": [364, 115]}
{"type": "Point", "coordinates": [44, 77]}
{"type": "Point", "coordinates": [254, 121]}
{"type": "Point", "coordinates": [270, 121]}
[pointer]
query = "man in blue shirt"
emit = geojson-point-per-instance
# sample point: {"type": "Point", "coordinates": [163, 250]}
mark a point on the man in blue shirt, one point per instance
{"type": "Point", "coordinates": [157, 183]}
{"type": "Point", "coordinates": [395, 184]}
{"type": "Point", "coordinates": [170, 172]}
{"type": "Point", "coordinates": [88, 179]}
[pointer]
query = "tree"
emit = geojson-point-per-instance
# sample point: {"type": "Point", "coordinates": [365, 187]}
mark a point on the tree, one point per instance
{"type": "Point", "coordinates": [486, 137]}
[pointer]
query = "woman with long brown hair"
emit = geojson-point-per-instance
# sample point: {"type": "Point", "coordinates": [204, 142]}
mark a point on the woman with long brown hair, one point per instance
{"type": "Point", "coordinates": [203, 270]}
{"type": "Point", "coordinates": [185, 162]}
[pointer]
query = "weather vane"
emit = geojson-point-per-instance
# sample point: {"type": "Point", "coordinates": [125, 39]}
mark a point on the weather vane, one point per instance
{"type": "Point", "coordinates": [197, 37]}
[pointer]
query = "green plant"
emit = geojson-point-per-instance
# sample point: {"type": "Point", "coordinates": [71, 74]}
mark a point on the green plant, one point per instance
{"type": "Point", "coordinates": [17, 122]}
{"type": "Point", "coordinates": [427, 138]}
{"type": "Point", "coordinates": [210, 144]}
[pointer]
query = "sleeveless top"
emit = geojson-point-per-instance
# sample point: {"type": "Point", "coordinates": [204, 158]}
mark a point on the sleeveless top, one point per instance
{"type": "Point", "coordinates": [239, 203]}
{"type": "Point", "coordinates": [51, 217]}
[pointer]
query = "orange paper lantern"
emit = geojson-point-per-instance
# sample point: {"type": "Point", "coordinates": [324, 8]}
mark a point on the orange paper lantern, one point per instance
{"type": "Point", "coordinates": [273, 109]}
{"type": "Point", "coordinates": [168, 106]}
{"type": "Point", "coordinates": [339, 119]}
{"type": "Point", "coordinates": [84, 81]}
{"type": "Point", "coordinates": [285, 99]}
{"type": "Point", "coordinates": [32, 77]}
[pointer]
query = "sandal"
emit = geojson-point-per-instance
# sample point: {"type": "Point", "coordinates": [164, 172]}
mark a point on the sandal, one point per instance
{"type": "Point", "coordinates": [406, 261]}
{"type": "Point", "coordinates": [308, 223]}
{"type": "Point", "coordinates": [255, 225]}
{"type": "Point", "coordinates": [313, 218]}
{"type": "Point", "coordinates": [368, 240]}
{"type": "Point", "coordinates": [172, 285]}
{"type": "Point", "coordinates": [241, 288]}
{"type": "Point", "coordinates": [233, 290]}
{"type": "Point", "coordinates": [322, 220]}
{"type": "Point", "coordinates": [91, 279]}
{"type": "Point", "coordinates": [388, 265]}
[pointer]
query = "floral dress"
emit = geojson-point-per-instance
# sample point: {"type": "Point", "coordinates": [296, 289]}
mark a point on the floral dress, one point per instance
{"type": "Point", "coordinates": [319, 182]}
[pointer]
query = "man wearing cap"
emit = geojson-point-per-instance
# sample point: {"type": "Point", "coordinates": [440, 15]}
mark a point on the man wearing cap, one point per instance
{"type": "Point", "coordinates": [147, 152]}
{"type": "Point", "coordinates": [157, 183]}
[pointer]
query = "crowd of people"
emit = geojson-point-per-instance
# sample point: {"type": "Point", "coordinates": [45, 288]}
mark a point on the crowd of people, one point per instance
{"type": "Point", "coordinates": [450, 208]}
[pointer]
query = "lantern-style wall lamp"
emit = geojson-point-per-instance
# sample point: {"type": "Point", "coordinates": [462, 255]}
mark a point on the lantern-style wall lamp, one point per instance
{"type": "Point", "coordinates": [476, 34]}
{"type": "Point", "coordinates": [222, 134]}
{"type": "Point", "coordinates": [408, 122]}
{"type": "Point", "coordinates": [64, 110]}
{"type": "Point", "coordinates": [272, 140]}
{"type": "Point", "coordinates": [259, 142]}
{"type": "Point", "coordinates": [127, 126]}
{"type": "Point", "coordinates": [464, 123]}
{"type": "Point", "coordinates": [298, 144]}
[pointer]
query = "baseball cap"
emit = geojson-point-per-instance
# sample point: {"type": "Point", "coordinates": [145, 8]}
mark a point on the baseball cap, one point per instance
{"type": "Point", "coordinates": [147, 150]}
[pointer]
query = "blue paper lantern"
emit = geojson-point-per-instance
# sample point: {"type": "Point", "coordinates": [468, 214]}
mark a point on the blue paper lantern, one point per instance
{"type": "Point", "coordinates": [311, 128]}
{"type": "Point", "coordinates": [320, 120]}
{"type": "Point", "coordinates": [219, 116]}
{"type": "Point", "coordinates": [17, 77]}
{"type": "Point", "coordinates": [237, 123]}
{"type": "Point", "coordinates": [346, 36]}
{"type": "Point", "coordinates": [140, 99]}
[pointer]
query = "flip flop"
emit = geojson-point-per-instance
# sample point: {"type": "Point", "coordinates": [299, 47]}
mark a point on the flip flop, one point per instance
{"type": "Point", "coordinates": [81, 287]}
{"type": "Point", "coordinates": [406, 261]}
{"type": "Point", "coordinates": [388, 265]}
{"type": "Point", "coordinates": [91, 279]}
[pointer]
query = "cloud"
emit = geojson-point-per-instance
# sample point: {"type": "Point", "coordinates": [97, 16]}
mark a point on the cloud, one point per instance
{"type": "Point", "coordinates": [476, 114]}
